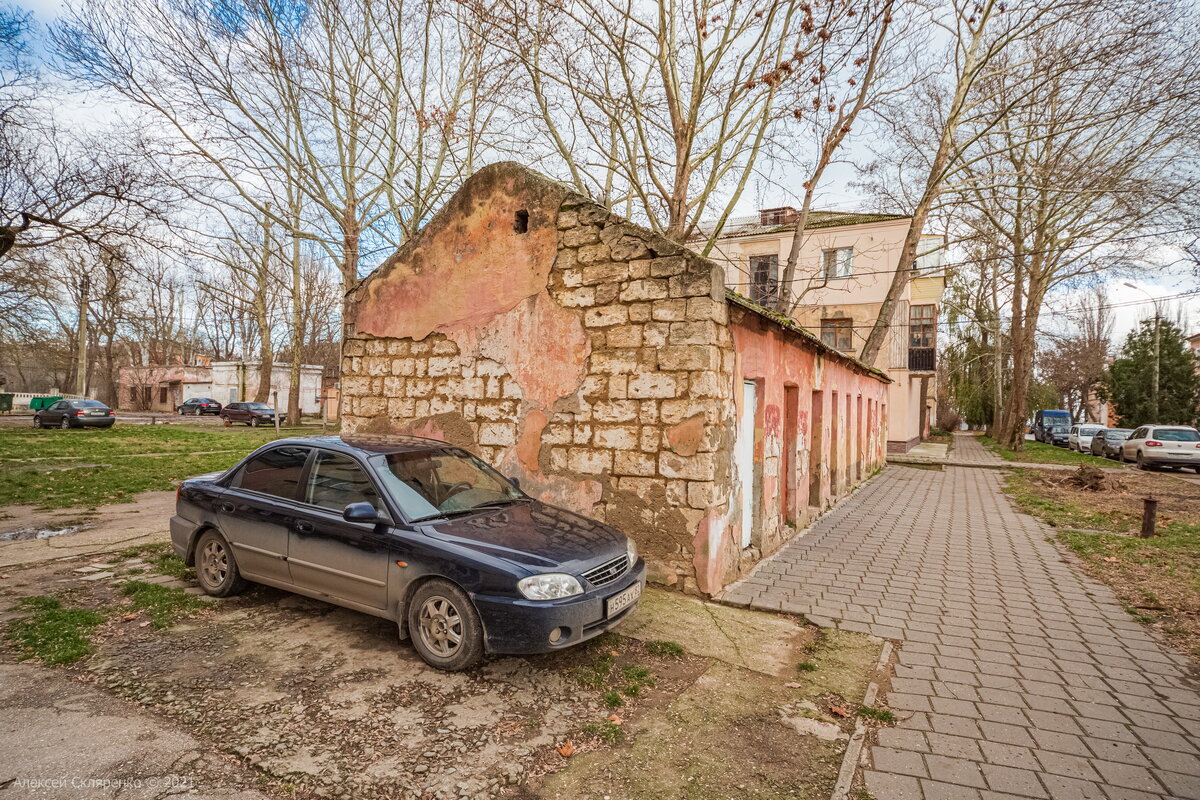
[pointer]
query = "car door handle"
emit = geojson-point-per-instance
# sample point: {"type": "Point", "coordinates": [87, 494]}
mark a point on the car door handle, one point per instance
{"type": "Point", "coordinates": [226, 507]}
{"type": "Point", "coordinates": [303, 526]}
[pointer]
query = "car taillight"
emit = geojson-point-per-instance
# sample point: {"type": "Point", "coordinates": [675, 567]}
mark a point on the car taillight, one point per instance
{"type": "Point", "coordinates": [1153, 443]}
{"type": "Point", "coordinates": [79, 413]}
{"type": "Point", "coordinates": [178, 491]}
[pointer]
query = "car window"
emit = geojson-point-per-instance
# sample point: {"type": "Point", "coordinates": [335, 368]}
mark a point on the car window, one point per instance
{"type": "Point", "coordinates": [1177, 435]}
{"type": "Point", "coordinates": [336, 481]}
{"type": "Point", "coordinates": [258, 406]}
{"type": "Point", "coordinates": [1089, 431]}
{"type": "Point", "coordinates": [1140, 433]}
{"type": "Point", "coordinates": [426, 482]}
{"type": "Point", "coordinates": [276, 472]}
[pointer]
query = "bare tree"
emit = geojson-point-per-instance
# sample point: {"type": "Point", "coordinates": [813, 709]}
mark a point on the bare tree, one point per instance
{"type": "Point", "coordinates": [658, 109]}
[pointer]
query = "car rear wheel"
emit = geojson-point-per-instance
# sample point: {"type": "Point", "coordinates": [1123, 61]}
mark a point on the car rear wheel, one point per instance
{"type": "Point", "coordinates": [1142, 463]}
{"type": "Point", "coordinates": [216, 568]}
{"type": "Point", "coordinates": [444, 626]}
{"type": "Point", "coordinates": [196, 411]}
{"type": "Point", "coordinates": [66, 423]}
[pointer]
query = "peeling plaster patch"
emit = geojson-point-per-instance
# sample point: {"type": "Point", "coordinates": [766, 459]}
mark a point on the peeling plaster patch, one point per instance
{"type": "Point", "coordinates": [573, 494]}
{"type": "Point", "coordinates": [686, 437]}
{"type": "Point", "coordinates": [529, 446]}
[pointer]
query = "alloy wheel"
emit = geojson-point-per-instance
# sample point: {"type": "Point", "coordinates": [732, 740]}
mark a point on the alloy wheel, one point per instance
{"type": "Point", "coordinates": [441, 626]}
{"type": "Point", "coordinates": [214, 563]}
{"type": "Point", "coordinates": [66, 423]}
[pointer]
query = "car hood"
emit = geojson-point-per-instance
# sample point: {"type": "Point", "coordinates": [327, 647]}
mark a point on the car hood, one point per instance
{"type": "Point", "coordinates": [534, 535]}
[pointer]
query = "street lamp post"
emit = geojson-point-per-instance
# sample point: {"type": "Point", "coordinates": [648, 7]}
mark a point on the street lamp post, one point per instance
{"type": "Point", "coordinates": [1154, 372]}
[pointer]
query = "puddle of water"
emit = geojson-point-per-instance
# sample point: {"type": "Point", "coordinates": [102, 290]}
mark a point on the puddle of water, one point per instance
{"type": "Point", "coordinates": [25, 534]}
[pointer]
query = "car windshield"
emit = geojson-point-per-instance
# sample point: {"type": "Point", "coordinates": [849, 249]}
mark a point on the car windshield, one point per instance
{"type": "Point", "coordinates": [258, 406]}
{"type": "Point", "coordinates": [1177, 435]}
{"type": "Point", "coordinates": [434, 483]}
{"type": "Point", "coordinates": [1117, 434]}
{"type": "Point", "coordinates": [1059, 429]}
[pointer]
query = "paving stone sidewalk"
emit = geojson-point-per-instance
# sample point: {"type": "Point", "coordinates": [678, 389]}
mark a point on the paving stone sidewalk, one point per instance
{"type": "Point", "coordinates": [968, 452]}
{"type": "Point", "coordinates": [1017, 676]}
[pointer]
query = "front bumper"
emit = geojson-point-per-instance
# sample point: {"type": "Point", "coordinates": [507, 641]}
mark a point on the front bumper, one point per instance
{"type": "Point", "coordinates": [518, 626]}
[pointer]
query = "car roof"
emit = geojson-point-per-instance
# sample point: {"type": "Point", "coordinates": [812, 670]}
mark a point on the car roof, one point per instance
{"type": "Point", "coordinates": [369, 444]}
{"type": "Point", "coordinates": [1172, 427]}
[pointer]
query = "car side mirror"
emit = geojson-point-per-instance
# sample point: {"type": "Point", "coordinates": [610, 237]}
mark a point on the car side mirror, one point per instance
{"type": "Point", "coordinates": [516, 482]}
{"type": "Point", "coordinates": [360, 512]}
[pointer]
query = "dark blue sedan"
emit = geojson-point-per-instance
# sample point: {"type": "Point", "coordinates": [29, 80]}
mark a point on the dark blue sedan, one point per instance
{"type": "Point", "coordinates": [414, 530]}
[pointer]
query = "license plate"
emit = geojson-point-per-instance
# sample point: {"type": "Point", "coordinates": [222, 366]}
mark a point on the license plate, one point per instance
{"type": "Point", "coordinates": [622, 600]}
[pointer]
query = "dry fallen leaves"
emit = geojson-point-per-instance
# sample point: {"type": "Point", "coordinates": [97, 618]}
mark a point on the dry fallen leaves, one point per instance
{"type": "Point", "coordinates": [793, 685]}
{"type": "Point", "coordinates": [839, 711]}
{"type": "Point", "coordinates": [614, 719]}
{"type": "Point", "coordinates": [128, 617]}
{"type": "Point", "coordinates": [566, 749]}
{"type": "Point", "coordinates": [1109, 559]}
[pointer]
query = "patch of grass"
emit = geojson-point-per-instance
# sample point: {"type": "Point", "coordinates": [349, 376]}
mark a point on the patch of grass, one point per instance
{"type": "Point", "coordinates": [636, 678]}
{"type": "Point", "coordinates": [171, 564]}
{"type": "Point", "coordinates": [1039, 453]}
{"type": "Point", "coordinates": [595, 674]}
{"type": "Point", "coordinates": [666, 649]}
{"type": "Point", "coordinates": [140, 550]}
{"type": "Point", "coordinates": [134, 459]}
{"type": "Point", "coordinates": [877, 714]}
{"type": "Point", "coordinates": [613, 699]}
{"type": "Point", "coordinates": [53, 634]}
{"type": "Point", "coordinates": [607, 731]}
{"type": "Point", "coordinates": [165, 605]}
{"type": "Point", "coordinates": [806, 666]}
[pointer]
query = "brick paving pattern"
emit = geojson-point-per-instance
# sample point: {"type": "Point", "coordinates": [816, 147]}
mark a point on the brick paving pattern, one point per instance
{"type": "Point", "coordinates": [1017, 676]}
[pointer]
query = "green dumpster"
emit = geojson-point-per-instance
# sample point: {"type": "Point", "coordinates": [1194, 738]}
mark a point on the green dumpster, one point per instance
{"type": "Point", "coordinates": [6, 402]}
{"type": "Point", "coordinates": [38, 403]}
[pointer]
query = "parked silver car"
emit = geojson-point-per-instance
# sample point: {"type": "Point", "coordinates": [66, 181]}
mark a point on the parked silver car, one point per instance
{"type": "Point", "coordinates": [1080, 437]}
{"type": "Point", "coordinates": [1152, 446]}
{"type": "Point", "coordinates": [1107, 443]}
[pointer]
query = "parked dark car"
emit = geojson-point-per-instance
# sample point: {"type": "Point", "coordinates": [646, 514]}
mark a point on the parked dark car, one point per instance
{"type": "Point", "coordinates": [75, 414]}
{"type": "Point", "coordinates": [413, 530]}
{"type": "Point", "coordinates": [1057, 435]}
{"type": "Point", "coordinates": [1045, 421]}
{"type": "Point", "coordinates": [199, 405]}
{"type": "Point", "coordinates": [253, 414]}
{"type": "Point", "coordinates": [1107, 443]}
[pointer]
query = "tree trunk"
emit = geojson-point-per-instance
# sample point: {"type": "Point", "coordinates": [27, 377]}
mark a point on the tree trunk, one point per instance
{"type": "Point", "coordinates": [266, 356]}
{"type": "Point", "coordinates": [81, 339]}
{"type": "Point", "coordinates": [293, 403]}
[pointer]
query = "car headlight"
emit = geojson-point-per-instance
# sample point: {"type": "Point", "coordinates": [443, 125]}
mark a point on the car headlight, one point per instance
{"type": "Point", "coordinates": [631, 550]}
{"type": "Point", "coordinates": [550, 586]}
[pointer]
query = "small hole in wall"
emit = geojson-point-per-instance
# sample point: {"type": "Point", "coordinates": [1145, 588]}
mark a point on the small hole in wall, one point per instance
{"type": "Point", "coordinates": [653, 252]}
{"type": "Point", "coordinates": [521, 221]}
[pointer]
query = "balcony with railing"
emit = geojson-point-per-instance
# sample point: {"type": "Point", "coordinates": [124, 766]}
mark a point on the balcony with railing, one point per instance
{"type": "Point", "coordinates": [922, 359]}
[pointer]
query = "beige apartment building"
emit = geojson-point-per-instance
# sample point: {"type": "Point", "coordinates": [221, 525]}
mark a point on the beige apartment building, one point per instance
{"type": "Point", "coordinates": [845, 267]}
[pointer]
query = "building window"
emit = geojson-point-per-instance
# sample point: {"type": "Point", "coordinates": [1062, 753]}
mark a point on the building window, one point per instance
{"type": "Point", "coordinates": [838, 263]}
{"type": "Point", "coordinates": [764, 279]}
{"type": "Point", "coordinates": [922, 325]}
{"type": "Point", "coordinates": [162, 394]}
{"type": "Point", "coordinates": [929, 254]}
{"type": "Point", "coordinates": [838, 333]}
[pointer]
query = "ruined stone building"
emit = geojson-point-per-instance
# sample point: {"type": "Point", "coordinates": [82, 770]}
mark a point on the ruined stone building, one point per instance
{"type": "Point", "coordinates": [611, 372]}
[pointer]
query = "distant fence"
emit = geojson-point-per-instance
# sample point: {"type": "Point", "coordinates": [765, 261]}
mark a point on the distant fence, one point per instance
{"type": "Point", "coordinates": [21, 399]}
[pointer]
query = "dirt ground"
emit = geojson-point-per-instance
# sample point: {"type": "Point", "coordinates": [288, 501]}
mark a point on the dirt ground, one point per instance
{"type": "Point", "coordinates": [317, 701]}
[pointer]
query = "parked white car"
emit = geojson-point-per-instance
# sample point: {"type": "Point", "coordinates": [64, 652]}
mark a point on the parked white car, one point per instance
{"type": "Point", "coordinates": [1080, 437]}
{"type": "Point", "coordinates": [1152, 446]}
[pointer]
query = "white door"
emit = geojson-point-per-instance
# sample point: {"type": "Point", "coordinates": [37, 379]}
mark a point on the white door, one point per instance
{"type": "Point", "coordinates": [745, 457]}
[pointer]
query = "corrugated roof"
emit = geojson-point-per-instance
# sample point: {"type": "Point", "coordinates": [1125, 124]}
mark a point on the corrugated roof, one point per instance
{"type": "Point", "coordinates": [787, 323]}
{"type": "Point", "coordinates": [740, 227]}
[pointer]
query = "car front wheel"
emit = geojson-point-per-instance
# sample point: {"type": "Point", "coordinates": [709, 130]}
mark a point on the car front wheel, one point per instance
{"type": "Point", "coordinates": [216, 568]}
{"type": "Point", "coordinates": [445, 626]}
{"type": "Point", "coordinates": [37, 421]}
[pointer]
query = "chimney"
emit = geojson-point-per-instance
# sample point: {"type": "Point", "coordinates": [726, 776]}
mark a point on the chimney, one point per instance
{"type": "Point", "coordinates": [785, 215]}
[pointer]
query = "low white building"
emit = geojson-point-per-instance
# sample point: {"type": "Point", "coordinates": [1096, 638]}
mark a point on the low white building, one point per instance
{"type": "Point", "coordinates": [164, 388]}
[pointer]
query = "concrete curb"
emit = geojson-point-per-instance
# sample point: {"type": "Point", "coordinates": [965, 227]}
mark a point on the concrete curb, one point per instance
{"type": "Point", "coordinates": [841, 790]}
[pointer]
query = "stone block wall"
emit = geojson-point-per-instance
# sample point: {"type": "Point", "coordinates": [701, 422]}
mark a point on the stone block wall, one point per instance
{"type": "Point", "coordinates": [586, 356]}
